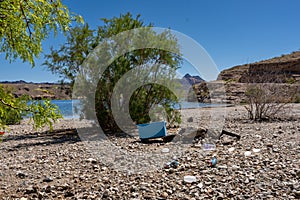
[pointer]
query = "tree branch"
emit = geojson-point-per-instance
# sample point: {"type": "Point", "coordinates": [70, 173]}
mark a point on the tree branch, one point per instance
{"type": "Point", "coordinates": [7, 104]}
{"type": "Point", "coordinates": [26, 19]}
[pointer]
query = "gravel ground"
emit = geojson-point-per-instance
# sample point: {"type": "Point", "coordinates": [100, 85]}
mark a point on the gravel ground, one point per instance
{"type": "Point", "coordinates": [59, 165]}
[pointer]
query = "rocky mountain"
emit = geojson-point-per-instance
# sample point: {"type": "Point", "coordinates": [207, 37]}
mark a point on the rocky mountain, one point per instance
{"type": "Point", "coordinates": [283, 69]}
{"type": "Point", "coordinates": [192, 80]}
{"type": "Point", "coordinates": [38, 90]}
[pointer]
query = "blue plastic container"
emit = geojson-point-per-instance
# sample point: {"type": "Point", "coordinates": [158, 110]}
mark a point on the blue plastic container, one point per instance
{"type": "Point", "coordinates": [152, 130]}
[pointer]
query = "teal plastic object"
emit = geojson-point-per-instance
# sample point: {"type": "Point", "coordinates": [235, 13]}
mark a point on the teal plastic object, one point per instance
{"type": "Point", "coordinates": [152, 130]}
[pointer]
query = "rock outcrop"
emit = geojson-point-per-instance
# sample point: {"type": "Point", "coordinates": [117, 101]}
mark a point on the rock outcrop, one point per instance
{"type": "Point", "coordinates": [284, 69]}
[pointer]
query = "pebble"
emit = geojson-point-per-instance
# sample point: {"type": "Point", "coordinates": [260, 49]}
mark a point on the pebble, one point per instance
{"type": "Point", "coordinates": [47, 179]}
{"type": "Point", "coordinates": [91, 160]}
{"type": "Point", "coordinates": [74, 173]}
{"type": "Point", "coordinates": [21, 174]}
{"type": "Point", "coordinates": [164, 195]}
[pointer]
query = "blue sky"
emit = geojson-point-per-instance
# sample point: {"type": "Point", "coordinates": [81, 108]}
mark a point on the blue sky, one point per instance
{"type": "Point", "coordinates": [233, 32]}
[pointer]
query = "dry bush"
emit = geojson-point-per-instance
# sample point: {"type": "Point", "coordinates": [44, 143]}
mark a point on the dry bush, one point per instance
{"type": "Point", "coordinates": [267, 97]}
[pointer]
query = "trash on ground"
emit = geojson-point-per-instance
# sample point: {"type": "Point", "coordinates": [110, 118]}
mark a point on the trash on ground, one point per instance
{"type": "Point", "coordinates": [213, 161]}
{"type": "Point", "coordinates": [209, 147]}
{"type": "Point", "coordinates": [172, 164]}
{"type": "Point", "coordinates": [247, 153]}
{"type": "Point", "coordinates": [152, 130]}
{"type": "Point", "coordinates": [256, 150]}
{"type": "Point", "coordinates": [189, 179]}
{"type": "Point", "coordinates": [165, 150]}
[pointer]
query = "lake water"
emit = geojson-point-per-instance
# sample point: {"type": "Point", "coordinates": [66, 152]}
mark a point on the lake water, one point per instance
{"type": "Point", "coordinates": [65, 106]}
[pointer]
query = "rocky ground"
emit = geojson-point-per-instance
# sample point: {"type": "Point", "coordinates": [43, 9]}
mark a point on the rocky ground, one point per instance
{"type": "Point", "coordinates": [58, 165]}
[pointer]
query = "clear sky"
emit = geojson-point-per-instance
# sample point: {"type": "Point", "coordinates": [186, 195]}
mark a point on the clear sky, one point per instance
{"type": "Point", "coordinates": [233, 32]}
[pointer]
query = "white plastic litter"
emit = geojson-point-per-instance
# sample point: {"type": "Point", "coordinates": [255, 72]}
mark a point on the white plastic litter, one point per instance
{"type": "Point", "coordinates": [247, 153]}
{"type": "Point", "coordinates": [231, 149]}
{"type": "Point", "coordinates": [189, 179]}
{"type": "Point", "coordinates": [209, 147]}
{"type": "Point", "coordinates": [165, 150]}
{"type": "Point", "coordinates": [256, 150]}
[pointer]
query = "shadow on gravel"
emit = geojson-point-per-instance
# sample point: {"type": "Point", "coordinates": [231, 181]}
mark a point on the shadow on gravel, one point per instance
{"type": "Point", "coordinates": [45, 138]}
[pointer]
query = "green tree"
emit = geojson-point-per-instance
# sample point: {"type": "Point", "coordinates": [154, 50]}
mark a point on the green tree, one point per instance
{"type": "Point", "coordinates": [66, 61]}
{"type": "Point", "coordinates": [24, 24]}
{"type": "Point", "coordinates": [161, 64]}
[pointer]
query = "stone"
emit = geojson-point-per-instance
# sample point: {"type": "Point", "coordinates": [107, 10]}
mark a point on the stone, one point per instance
{"type": "Point", "coordinates": [231, 149]}
{"type": "Point", "coordinates": [164, 195]}
{"type": "Point", "coordinates": [47, 179]}
{"type": "Point", "coordinates": [91, 160]}
{"type": "Point", "coordinates": [21, 174]}
{"type": "Point", "coordinates": [190, 119]}
{"type": "Point", "coordinates": [30, 190]}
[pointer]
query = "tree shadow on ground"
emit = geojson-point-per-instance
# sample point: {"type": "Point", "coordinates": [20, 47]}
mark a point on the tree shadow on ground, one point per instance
{"type": "Point", "coordinates": [44, 138]}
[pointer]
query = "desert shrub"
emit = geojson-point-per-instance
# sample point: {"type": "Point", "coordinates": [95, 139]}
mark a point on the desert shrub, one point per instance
{"type": "Point", "coordinates": [266, 97]}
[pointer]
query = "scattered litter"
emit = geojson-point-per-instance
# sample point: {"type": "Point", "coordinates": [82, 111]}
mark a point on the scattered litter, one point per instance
{"type": "Point", "coordinates": [189, 179]}
{"type": "Point", "coordinates": [165, 150]}
{"type": "Point", "coordinates": [256, 150]}
{"type": "Point", "coordinates": [247, 153]}
{"type": "Point", "coordinates": [2, 134]}
{"type": "Point", "coordinates": [173, 164]}
{"type": "Point", "coordinates": [200, 185]}
{"type": "Point", "coordinates": [231, 149]}
{"type": "Point", "coordinates": [209, 147]}
{"type": "Point", "coordinates": [213, 161]}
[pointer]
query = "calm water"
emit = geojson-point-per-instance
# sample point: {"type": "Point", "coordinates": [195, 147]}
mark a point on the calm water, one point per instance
{"type": "Point", "coordinates": [65, 106]}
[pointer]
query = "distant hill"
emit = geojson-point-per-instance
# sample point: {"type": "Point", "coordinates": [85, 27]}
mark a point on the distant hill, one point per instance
{"type": "Point", "coordinates": [192, 80]}
{"type": "Point", "coordinates": [58, 91]}
{"type": "Point", "coordinates": [38, 90]}
{"type": "Point", "coordinates": [282, 69]}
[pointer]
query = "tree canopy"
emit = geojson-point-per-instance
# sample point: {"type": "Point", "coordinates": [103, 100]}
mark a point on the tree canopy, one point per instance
{"type": "Point", "coordinates": [68, 61]}
{"type": "Point", "coordinates": [24, 24]}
